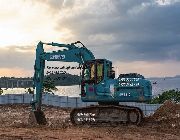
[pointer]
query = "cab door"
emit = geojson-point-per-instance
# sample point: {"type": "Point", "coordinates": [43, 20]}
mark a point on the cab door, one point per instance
{"type": "Point", "coordinates": [88, 88]}
{"type": "Point", "coordinates": [93, 74]}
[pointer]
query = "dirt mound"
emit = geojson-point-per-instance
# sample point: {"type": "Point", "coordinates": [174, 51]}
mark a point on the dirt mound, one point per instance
{"type": "Point", "coordinates": [168, 110]}
{"type": "Point", "coordinates": [168, 115]}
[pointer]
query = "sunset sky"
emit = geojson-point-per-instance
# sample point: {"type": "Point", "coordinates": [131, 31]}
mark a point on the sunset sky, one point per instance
{"type": "Point", "coordinates": [140, 36]}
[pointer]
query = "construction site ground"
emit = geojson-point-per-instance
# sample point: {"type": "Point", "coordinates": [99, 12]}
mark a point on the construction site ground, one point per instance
{"type": "Point", "coordinates": [164, 124]}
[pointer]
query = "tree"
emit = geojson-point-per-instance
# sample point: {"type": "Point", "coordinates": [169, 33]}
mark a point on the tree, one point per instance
{"type": "Point", "coordinates": [1, 91]}
{"type": "Point", "coordinates": [30, 91]}
{"type": "Point", "coordinates": [48, 85]}
{"type": "Point", "coordinates": [173, 95]}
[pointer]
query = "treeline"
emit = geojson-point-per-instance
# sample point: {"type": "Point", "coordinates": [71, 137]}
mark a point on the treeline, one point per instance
{"type": "Point", "coordinates": [13, 82]}
{"type": "Point", "coordinates": [57, 79]}
{"type": "Point", "coordinates": [173, 95]}
{"type": "Point", "coordinates": [63, 79]}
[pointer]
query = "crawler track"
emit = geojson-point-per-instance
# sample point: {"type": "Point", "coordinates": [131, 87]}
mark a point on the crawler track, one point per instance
{"type": "Point", "coordinates": [111, 115]}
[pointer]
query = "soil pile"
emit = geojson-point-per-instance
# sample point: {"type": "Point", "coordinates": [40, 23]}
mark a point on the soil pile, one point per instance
{"type": "Point", "coordinates": [168, 115]}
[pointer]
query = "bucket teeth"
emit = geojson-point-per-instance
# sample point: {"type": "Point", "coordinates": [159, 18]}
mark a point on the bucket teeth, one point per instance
{"type": "Point", "coordinates": [37, 117]}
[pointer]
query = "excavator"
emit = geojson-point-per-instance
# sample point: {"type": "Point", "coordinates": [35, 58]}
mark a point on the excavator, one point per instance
{"type": "Point", "coordinates": [98, 84]}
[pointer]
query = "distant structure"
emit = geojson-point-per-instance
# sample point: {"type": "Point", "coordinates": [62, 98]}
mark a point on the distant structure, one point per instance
{"type": "Point", "coordinates": [59, 80]}
{"type": "Point", "coordinates": [12, 82]}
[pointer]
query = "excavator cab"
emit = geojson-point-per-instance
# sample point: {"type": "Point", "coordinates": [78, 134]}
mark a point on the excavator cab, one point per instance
{"type": "Point", "coordinates": [95, 71]}
{"type": "Point", "coordinates": [94, 74]}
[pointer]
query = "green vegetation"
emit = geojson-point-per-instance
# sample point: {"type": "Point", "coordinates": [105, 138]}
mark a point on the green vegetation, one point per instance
{"type": "Point", "coordinates": [64, 79]}
{"type": "Point", "coordinates": [30, 91]}
{"type": "Point", "coordinates": [49, 85]}
{"type": "Point", "coordinates": [173, 95]}
{"type": "Point", "coordinates": [1, 91]}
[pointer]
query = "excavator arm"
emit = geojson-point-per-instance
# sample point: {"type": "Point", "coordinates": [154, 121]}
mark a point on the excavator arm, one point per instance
{"type": "Point", "coordinates": [70, 53]}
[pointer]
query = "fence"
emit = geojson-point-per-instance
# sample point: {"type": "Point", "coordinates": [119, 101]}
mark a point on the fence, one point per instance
{"type": "Point", "coordinates": [65, 101]}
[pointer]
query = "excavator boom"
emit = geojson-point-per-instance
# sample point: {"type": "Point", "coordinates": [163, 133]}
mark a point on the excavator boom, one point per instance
{"type": "Point", "coordinates": [70, 53]}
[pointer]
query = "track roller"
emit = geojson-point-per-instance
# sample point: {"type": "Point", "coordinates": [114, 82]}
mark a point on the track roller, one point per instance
{"type": "Point", "coordinates": [98, 115]}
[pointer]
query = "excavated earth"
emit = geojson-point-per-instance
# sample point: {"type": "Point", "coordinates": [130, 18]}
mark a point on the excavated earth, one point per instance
{"type": "Point", "coordinates": [164, 124]}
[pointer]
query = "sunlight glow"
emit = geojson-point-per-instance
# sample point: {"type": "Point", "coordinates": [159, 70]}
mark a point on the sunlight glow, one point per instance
{"type": "Point", "coordinates": [27, 24]}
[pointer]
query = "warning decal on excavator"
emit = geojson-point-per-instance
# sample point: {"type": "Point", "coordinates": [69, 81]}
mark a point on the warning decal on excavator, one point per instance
{"type": "Point", "coordinates": [85, 117]}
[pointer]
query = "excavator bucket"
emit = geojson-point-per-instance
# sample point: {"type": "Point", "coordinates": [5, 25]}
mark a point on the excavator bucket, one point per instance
{"type": "Point", "coordinates": [37, 117]}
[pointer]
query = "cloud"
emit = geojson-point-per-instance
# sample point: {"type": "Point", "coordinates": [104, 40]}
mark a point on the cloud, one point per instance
{"type": "Point", "coordinates": [27, 22]}
{"type": "Point", "coordinates": [17, 57]}
{"type": "Point", "coordinates": [148, 69]}
{"type": "Point", "coordinates": [53, 4]}
{"type": "Point", "coordinates": [134, 30]}
{"type": "Point", "coordinates": [16, 72]}
{"type": "Point", "coordinates": [120, 30]}
{"type": "Point", "coordinates": [57, 5]}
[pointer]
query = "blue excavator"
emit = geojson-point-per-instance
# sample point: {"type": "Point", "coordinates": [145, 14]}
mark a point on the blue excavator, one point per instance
{"type": "Point", "coordinates": [98, 84]}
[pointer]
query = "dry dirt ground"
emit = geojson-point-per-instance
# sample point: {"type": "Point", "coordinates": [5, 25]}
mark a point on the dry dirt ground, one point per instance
{"type": "Point", "coordinates": [163, 125]}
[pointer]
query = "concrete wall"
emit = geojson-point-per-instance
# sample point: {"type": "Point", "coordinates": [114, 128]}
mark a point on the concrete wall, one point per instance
{"type": "Point", "coordinates": [65, 101]}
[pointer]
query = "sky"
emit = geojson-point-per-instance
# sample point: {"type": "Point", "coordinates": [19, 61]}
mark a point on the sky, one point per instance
{"type": "Point", "coordinates": [141, 36]}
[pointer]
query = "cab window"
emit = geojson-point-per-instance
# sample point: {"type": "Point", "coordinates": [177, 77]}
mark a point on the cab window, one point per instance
{"type": "Point", "coordinates": [88, 72]}
{"type": "Point", "coordinates": [92, 68]}
{"type": "Point", "coordinates": [99, 72]}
